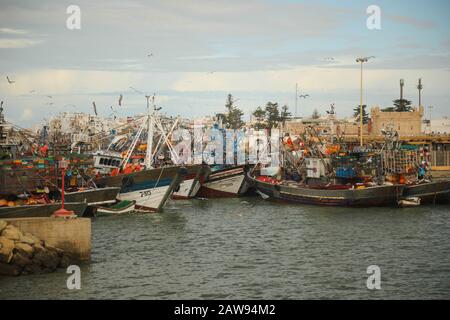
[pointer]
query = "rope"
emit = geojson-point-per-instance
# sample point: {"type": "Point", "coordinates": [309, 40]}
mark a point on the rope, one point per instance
{"type": "Point", "coordinates": [160, 174]}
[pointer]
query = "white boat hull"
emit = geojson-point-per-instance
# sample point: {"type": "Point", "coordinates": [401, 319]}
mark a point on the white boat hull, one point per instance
{"type": "Point", "coordinates": [188, 189]}
{"type": "Point", "coordinates": [148, 199]}
{"type": "Point", "coordinates": [226, 187]}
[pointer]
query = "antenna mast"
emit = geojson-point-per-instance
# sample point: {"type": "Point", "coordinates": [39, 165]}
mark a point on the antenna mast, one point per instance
{"type": "Point", "coordinates": [420, 87]}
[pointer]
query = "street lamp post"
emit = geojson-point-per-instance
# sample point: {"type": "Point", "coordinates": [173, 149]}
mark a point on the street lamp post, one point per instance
{"type": "Point", "coordinates": [361, 61]}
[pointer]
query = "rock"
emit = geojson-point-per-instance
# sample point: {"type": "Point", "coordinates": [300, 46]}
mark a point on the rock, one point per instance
{"type": "Point", "coordinates": [33, 269]}
{"type": "Point", "coordinates": [12, 233]}
{"type": "Point", "coordinates": [38, 247]}
{"type": "Point", "coordinates": [47, 259]}
{"type": "Point", "coordinates": [20, 259]}
{"type": "Point", "coordinates": [58, 251]}
{"type": "Point", "coordinates": [65, 261]}
{"type": "Point", "coordinates": [6, 249]}
{"type": "Point", "coordinates": [30, 239]}
{"type": "Point", "coordinates": [24, 249]}
{"type": "Point", "coordinates": [9, 269]}
{"type": "Point", "coordinates": [3, 225]}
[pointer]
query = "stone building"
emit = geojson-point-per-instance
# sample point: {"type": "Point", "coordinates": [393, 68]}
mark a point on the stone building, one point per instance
{"type": "Point", "coordinates": [405, 123]}
{"type": "Point", "coordinates": [327, 126]}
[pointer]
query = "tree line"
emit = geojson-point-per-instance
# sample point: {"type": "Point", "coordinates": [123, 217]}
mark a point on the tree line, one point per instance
{"type": "Point", "coordinates": [269, 116]}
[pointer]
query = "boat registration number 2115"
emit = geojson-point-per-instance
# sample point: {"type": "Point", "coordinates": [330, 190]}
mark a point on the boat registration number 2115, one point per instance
{"type": "Point", "coordinates": [146, 193]}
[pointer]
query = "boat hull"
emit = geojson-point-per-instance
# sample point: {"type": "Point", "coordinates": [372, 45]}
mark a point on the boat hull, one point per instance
{"type": "Point", "coordinates": [429, 192]}
{"type": "Point", "coordinates": [367, 197]}
{"type": "Point", "coordinates": [41, 210]}
{"type": "Point", "coordinates": [106, 211]}
{"type": "Point", "coordinates": [188, 189]}
{"type": "Point", "coordinates": [150, 200]}
{"type": "Point", "coordinates": [225, 183]}
{"type": "Point", "coordinates": [94, 197]}
{"type": "Point", "coordinates": [190, 185]}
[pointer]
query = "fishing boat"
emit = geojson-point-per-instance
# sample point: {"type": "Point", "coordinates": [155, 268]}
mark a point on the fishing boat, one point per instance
{"type": "Point", "coordinates": [142, 180]}
{"type": "Point", "coordinates": [150, 188]}
{"type": "Point", "coordinates": [41, 210]}
{"type": "Point", "coordinates": [327, 195]}
{"type": "Point", "coordinates": [224, 183]}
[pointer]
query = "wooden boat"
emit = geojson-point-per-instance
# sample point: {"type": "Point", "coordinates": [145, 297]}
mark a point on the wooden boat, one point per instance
{"type": "Point", "coordinates": [384, 195]}
{"type": "Point", "coordinates": [225, 183]}
{"type": "Point", "coordinates": [41, 210]}
{"type": "Point", "coordinates": [93, 197]}
{"type": "Point", "coordinates": [150, 188]}
{"type": "Point", "coordinates": [429, 192]}
{"type": "Point", "coordinates": [120, 207]}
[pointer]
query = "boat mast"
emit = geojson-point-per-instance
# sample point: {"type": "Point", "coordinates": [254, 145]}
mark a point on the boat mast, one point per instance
{"type": "Point", "coordinates": [148, 154]}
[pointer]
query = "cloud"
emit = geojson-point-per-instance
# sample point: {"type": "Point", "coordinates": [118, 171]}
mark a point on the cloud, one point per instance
{"type": "Point", "coordinates": [27, 114]}
{"type": "Point", "coordinates": [17, 43]}
{"type": "Point", "coordinates": [412, 21]}
{"type": "Point", "coordinates": [12, 31]}
{"type": "Point", "coordinates": [404, 62]}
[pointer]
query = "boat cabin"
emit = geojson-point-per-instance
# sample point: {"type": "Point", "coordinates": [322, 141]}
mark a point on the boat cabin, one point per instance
{"type": "Point", "coordinates": [105, 161]}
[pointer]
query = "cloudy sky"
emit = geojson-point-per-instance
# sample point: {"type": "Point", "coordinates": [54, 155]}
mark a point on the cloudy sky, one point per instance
{"type": "Point", "coordinates": [193, 53]}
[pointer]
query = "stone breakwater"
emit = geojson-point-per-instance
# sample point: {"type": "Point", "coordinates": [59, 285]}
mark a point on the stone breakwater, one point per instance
{"type": "Point", "coordinates": [24, 253]}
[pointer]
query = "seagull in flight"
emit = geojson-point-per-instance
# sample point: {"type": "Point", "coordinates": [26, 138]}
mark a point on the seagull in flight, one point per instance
{"type": "Point", "coordinates": [150, 55]}
{"type": "Point", "coordinates": [303, 96]}
{"type": "Point", "coordinates": [9, 80]}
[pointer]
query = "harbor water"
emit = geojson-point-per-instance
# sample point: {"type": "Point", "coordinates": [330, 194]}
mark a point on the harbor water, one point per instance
{"type": "Point", "coordinates": [247, 248]}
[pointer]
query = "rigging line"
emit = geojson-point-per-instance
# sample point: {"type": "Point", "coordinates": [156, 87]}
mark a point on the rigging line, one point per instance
{"type": "Point", "coordinates": [122, 125]}
{"type": "Point", "coordinates": [160, 174]}
{"type": "Point", "coordinates": [166, 139]}
{"type": "Point", "coordinates": [132, 146]}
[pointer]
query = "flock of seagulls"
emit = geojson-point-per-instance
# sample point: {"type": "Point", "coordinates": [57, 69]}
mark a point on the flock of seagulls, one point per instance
{"type": "Point", "coordinates": [50, 102]}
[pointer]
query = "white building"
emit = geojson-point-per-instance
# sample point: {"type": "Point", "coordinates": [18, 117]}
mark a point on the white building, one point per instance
{"type": "Point", "coordinates": [438, 126]}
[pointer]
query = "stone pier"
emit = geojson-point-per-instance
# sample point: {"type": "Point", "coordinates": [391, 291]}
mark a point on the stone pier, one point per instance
{"type": "Point", "coordinates": [71, 235]}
